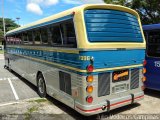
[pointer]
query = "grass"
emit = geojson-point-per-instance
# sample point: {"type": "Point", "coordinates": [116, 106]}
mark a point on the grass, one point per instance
{"type": "Point", "coordinates": [30, 111]}
{"type": "Point", "coordinates": [33, 109]}
{"type": "Point", "coordinates": [1, 51]}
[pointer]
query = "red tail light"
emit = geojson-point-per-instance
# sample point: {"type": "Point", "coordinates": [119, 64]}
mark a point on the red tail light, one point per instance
{"type": "Point", "coordinates": [144, 63]}
{"type": "Point", "coordinates": [90, 68]}
{"type": "Point", "coordinates": [89, 99]}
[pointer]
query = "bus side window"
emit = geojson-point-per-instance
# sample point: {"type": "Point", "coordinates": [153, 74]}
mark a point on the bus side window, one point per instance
{"type": "Point", "coordinates": [68, 31]}
{"type": "Point", "coordinates": [18, 39]}
{"type": "Point", "coordinates": [44, 35]}
{"type": "Point", "coordinates": [56, 35]}
{"type": "Point", "coordinates": [11, 39]}
{"type": "Point", "coordinates": [7, 40]}
{"type": "Point", "coordinates": [25, 38]}
{"type": "Point", "coordinates": [30, 37]}
{"type": "Point", "coordinates": [153, 48]}
{"type": "Point", "coordinates": [37, 37]}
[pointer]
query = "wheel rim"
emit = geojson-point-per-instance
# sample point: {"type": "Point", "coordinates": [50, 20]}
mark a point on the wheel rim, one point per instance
{"type": "Point", "coordinates": [41, 85]}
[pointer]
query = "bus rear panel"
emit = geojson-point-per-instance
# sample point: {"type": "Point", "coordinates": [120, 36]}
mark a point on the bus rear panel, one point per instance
{"type": "Point", "coordinates": [117, 72]}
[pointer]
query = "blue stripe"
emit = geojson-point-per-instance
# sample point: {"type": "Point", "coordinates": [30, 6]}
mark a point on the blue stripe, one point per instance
{"type": "Point", "coordinates": [44, 24]}
{"type": "Point", "coordinates": [102, 59]}
{"type": "Point", "coordinates": [62, 58]}
{"type": "Point", "coordinates": [114, 58]}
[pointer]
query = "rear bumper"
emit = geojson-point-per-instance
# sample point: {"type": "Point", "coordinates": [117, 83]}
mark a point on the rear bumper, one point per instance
{"type": "Point", "coordinates": [108, 105]}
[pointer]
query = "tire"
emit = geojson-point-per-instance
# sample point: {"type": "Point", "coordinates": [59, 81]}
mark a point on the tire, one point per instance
{"type": "Point", "coordinates": [41, 86]}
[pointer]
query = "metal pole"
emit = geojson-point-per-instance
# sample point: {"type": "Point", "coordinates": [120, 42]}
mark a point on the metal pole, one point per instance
{"type": "Point", "coordinates": [18, 18]}
{"type": "Point", "coordinates": [4, 28]}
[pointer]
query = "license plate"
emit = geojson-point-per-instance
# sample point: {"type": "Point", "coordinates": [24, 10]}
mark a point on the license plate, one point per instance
{"type": "Point", "coordinates": [120, 75]}
{"type": "Point", "coordinates": [120, 88]}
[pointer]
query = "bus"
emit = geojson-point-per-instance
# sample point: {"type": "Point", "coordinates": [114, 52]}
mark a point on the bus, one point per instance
{"type": "Point", "coordinates": [152, 64]}
{"type": "Point", "coordinates": [89, 57]}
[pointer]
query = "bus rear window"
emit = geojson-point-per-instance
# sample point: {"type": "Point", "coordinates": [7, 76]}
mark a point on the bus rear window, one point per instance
{"type": "Point", "coordinates": [153, 43]}
{"type": "Point", "coordinates": [112, 26]}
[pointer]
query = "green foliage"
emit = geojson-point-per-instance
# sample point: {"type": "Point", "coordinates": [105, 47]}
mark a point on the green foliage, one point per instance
{"type": "Point", "coordinates": [9, 24]}
{"type": "Point", "coordinates": [1, 51]}
{"type": "Point", "coordinates": [119, 2]}
{"type": "Point", "coordinates": [149, 10]}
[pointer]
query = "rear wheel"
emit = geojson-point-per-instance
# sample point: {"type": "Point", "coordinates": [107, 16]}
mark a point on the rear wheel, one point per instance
{"type": "Point", "coordinates": [41, 86]}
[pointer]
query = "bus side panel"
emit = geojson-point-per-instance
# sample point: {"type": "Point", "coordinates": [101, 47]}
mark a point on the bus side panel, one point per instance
{"type": "Point", "coordinates": [28, 68]}
{"type": "Point", "coordinates": [152, 74]}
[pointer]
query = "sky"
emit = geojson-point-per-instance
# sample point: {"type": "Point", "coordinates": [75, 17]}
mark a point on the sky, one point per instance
{"type": "Point", "coordinates": [31, 10]}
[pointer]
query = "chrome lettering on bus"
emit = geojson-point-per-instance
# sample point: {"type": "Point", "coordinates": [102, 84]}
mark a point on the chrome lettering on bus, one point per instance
{"type": "Point", "coordinates": [85, 58]}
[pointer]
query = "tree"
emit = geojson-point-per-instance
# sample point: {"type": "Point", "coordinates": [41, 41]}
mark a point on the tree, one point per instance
{"type": "Point", "coordinates": [149, 10]}
{"type": "Point", "coordinates": [119, 2]}
{"type": "Point", "coordinates": [9, 24]}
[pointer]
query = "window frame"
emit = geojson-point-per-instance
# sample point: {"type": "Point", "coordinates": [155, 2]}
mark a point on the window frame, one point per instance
{"type": "Point", "coordinates": [146, 33]}
{"type": "Point", "coordinates": [49, 40]}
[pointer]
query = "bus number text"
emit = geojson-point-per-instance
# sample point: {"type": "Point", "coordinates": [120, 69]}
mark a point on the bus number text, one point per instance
{"type": "Point", "coordinates": [157, 63]}
{"type": "Point", "coordinates": [84, 58]}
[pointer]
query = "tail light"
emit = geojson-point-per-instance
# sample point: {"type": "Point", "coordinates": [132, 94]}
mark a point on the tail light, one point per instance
{"type": "Point", "coordinates": [90, 68]}
{"type": "Point", "coordinates": [143, 79]}
{"type": "Point", "coordinates": [89, 78]}
{"type": "Point", "coordinates": [115, 77]}
{"type": "Point", "coordinates": [144, 63]}
{"type": "Point", "coordinates": [144, 70]}
{"type": "Point", "coordinates": [89, 99]}
{"type": "Point", "coordinates": [89, 89]}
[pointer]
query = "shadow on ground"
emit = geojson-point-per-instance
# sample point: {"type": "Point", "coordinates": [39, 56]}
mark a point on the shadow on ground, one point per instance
{"type": "Point", "coordinates": [152, 93]}
{"type": "Point", "coordinates": [71, 113]}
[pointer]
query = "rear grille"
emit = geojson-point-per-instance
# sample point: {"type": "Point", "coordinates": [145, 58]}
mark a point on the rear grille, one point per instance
{"type": "Point", "coordinates": [103, 84]}
{"type": "Point", "coordinates": [134, 79]}
{"type": "Point", "coordinates": [65, 82]}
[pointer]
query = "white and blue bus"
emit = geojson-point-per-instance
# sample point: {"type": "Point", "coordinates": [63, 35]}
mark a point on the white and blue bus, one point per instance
{"type": "Point", "coordinates": [89, 57]}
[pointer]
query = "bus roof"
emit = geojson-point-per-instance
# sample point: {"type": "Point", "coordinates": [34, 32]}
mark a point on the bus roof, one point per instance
{"type": "Point", "coordinates": [69, 12]}
{"type": "Point", "coordinates": [151, 27]}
